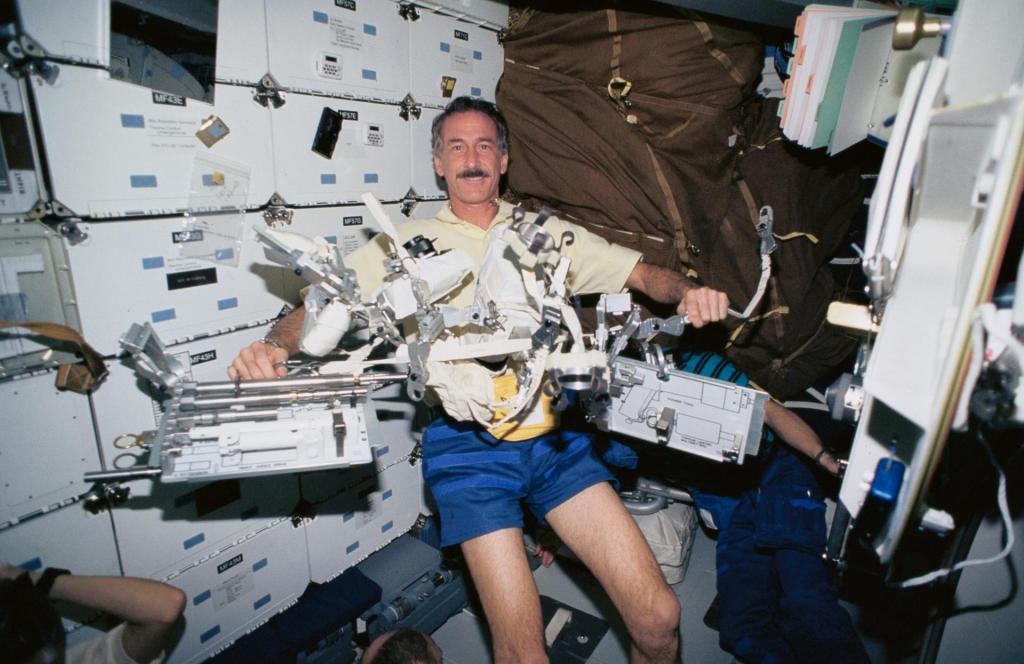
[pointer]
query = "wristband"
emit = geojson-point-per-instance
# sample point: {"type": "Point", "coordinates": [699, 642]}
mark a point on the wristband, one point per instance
{"type": "Point", "coordinates": [50, 574]}
{"type": "Point", "coordinates": [272, 342]}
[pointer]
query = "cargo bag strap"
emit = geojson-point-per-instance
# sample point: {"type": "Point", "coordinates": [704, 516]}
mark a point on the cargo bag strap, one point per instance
{"type": "Point", "coordinates": [618, 87]}
{"type": "Point", "coordinates": [82, 377]}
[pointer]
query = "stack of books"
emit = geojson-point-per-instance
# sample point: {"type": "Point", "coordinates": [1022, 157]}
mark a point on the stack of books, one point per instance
{"type": "Point", "coordinates": [845, 79]}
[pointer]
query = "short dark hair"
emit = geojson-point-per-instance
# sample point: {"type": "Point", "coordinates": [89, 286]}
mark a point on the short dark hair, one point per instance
{"type": "Point", "coordinates": [29, 625]}
{"type": "Point", "coordinates": [405, 646]}
{"type": "Point", "coordinates": [462, 105]}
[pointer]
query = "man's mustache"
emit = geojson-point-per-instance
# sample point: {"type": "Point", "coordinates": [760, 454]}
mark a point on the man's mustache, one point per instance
{"type": "Point", "coordinates": [473, 173]}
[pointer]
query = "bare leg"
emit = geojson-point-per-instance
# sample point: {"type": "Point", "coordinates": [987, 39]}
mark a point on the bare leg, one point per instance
{"type": "Point", "coordinates": [503, 578]}
{"type": "Point", "coordinates": [596, 526]}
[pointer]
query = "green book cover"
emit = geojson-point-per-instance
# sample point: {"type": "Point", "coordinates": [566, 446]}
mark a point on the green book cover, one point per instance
{"type": "Point", "coordinates": [832, 101]}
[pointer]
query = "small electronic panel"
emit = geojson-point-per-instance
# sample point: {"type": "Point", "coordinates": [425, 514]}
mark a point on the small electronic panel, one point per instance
{"type": "Point", "coordinates": [711, 418]}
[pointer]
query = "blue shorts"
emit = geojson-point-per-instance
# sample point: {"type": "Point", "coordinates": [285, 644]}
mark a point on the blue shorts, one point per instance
{"type": "Point", "coordinates": [478, 481]}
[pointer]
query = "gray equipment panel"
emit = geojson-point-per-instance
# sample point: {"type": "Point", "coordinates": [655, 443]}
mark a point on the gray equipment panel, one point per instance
{"type": "Point", "coordinates": [711, 418]}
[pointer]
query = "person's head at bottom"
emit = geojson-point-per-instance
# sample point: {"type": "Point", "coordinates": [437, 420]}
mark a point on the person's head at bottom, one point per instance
{"type": "Point", "coordinates": [402, 646]}
{"type": "Point", "coordinates": [30, 629]}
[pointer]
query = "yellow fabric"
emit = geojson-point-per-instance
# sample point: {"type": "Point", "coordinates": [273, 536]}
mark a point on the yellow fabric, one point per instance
{"type": "Point", "coordinates": [789, 236]}
{"type": "Point", "coordinates": [533, 422]}
{"type": "Point", "coordinates": [597, 265]}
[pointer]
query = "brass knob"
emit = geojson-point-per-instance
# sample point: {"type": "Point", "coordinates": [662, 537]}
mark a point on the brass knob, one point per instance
{"type": "Point", "coordinates": [911, 26]}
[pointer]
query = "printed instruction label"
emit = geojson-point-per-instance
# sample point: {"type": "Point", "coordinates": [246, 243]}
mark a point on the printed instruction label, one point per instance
{"type": "Point", "coordinates": [232, 589]}
{"type": "Point", "coordinates": [345, 35]}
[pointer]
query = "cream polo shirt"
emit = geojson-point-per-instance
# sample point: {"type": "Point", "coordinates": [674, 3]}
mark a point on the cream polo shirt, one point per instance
{"type": "Point", "coordinates": [598, 266]}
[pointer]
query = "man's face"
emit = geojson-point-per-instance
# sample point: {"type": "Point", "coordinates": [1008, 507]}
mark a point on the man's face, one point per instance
{"type": "Point", "coordinates": [471, 162]}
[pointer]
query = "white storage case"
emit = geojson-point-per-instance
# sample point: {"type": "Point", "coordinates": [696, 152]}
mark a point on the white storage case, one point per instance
{"type": "Point", "coordinates": [371, 153]}
{"type": "Point", "coordinates": [349, 48]}
{"type": "Point", "coordinates": [41, 467]}
{"type": "Point", "coordinates": [239, 588]}
{"type": "Point", "coordinates": [118, 149]}
{"type": "Point", "coordinates": [360, 520]}
{"type": "Point", "coordinates": [441, 47]}
{"type": "Point", "coordinates": [138, 267]}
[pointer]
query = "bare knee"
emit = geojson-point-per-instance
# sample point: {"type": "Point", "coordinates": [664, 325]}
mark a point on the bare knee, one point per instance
{"type": "Point", "coordinates": [657, 628]}
{"type": "Point", "coordinates": [518, 652]}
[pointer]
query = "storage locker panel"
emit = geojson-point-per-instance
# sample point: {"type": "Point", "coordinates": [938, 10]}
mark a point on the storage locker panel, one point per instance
{"type": "Point", "coordinates": [451, 58]}
{"type": "Point", "coordinates": [425, 181]}
{"type": "Point", "coordinates": [48, 444]}
{"type": "Point", "coordinates": [361, 519]}
{"type": "Point", "coordinates": [241, 41]}
{"type": "Point", "coordinates": [78, 31]}
{"type": "Point", "coordinates": [370, 152]}
{"type": "Point", "coordinates": [146, 270]}
{"type": "Point", "coordinates": [239, 588]}
{"type": "Point", "coordinates": [117, 149]}
{"type": "Point", "coordinates": [342, 48]}
{"type": "Point", "coordinates": [20, 184]}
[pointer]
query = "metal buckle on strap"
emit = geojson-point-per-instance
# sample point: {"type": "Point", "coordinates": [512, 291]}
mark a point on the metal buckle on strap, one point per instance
{"type": "Point", "coordinates": [619, 88]}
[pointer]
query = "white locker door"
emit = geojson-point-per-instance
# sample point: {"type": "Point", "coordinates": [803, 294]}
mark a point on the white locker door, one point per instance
{"type": "Point", "coordinates": [146, 267]}
{"type": "Point", "coordinates": [48, 445]}
{"type": "Point", "coordinates": [443, 50]}
{"type": "Point", "coordinates": [370, 154]}
{"type": "Point", "coordinates": [238, 588]}
{"type": "Point", "coordinates": [118, 149]}
{"type": "Point", "coordinates": [361, 519]}
{"type": "Point", "coordinates": [339, 47]}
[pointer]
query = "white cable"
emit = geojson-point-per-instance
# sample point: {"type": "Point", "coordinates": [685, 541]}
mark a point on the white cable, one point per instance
{"type": "Point", "coordinates": [1004, 511]}
{"type": "Point", "coordinates": [816, 394]}
{"type": "Point", "coordinates": [762, 284]}
{"type": "Point", "coordinates": [845, 261]}
{"type": "Point", "coordinates": [807, 405]}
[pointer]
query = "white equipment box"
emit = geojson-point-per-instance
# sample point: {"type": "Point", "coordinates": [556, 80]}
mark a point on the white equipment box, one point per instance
{"type": "Point", "coordinates": [339, 48]}
{"type": "Point", "coordinates": [362, 147]}
{"type": "Point", "coordinates": [450, 58]}
{"type": "Point", "coordinates": [118, 149]}
{"type": "Point", "coordinates": [238, 588]}
{"type": "Point", "coordinates": [425, 181]}
{"type": "Point", "coordinates": [148, 270]}
{"type": "Point", "coordinates": [41, 468]}
{"type": "Point", "coordinates": [19, 157]}
{"type": "Point", "coordinates": [711, 418]}
{"type": "Point", "coordinates": [364, 517]}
